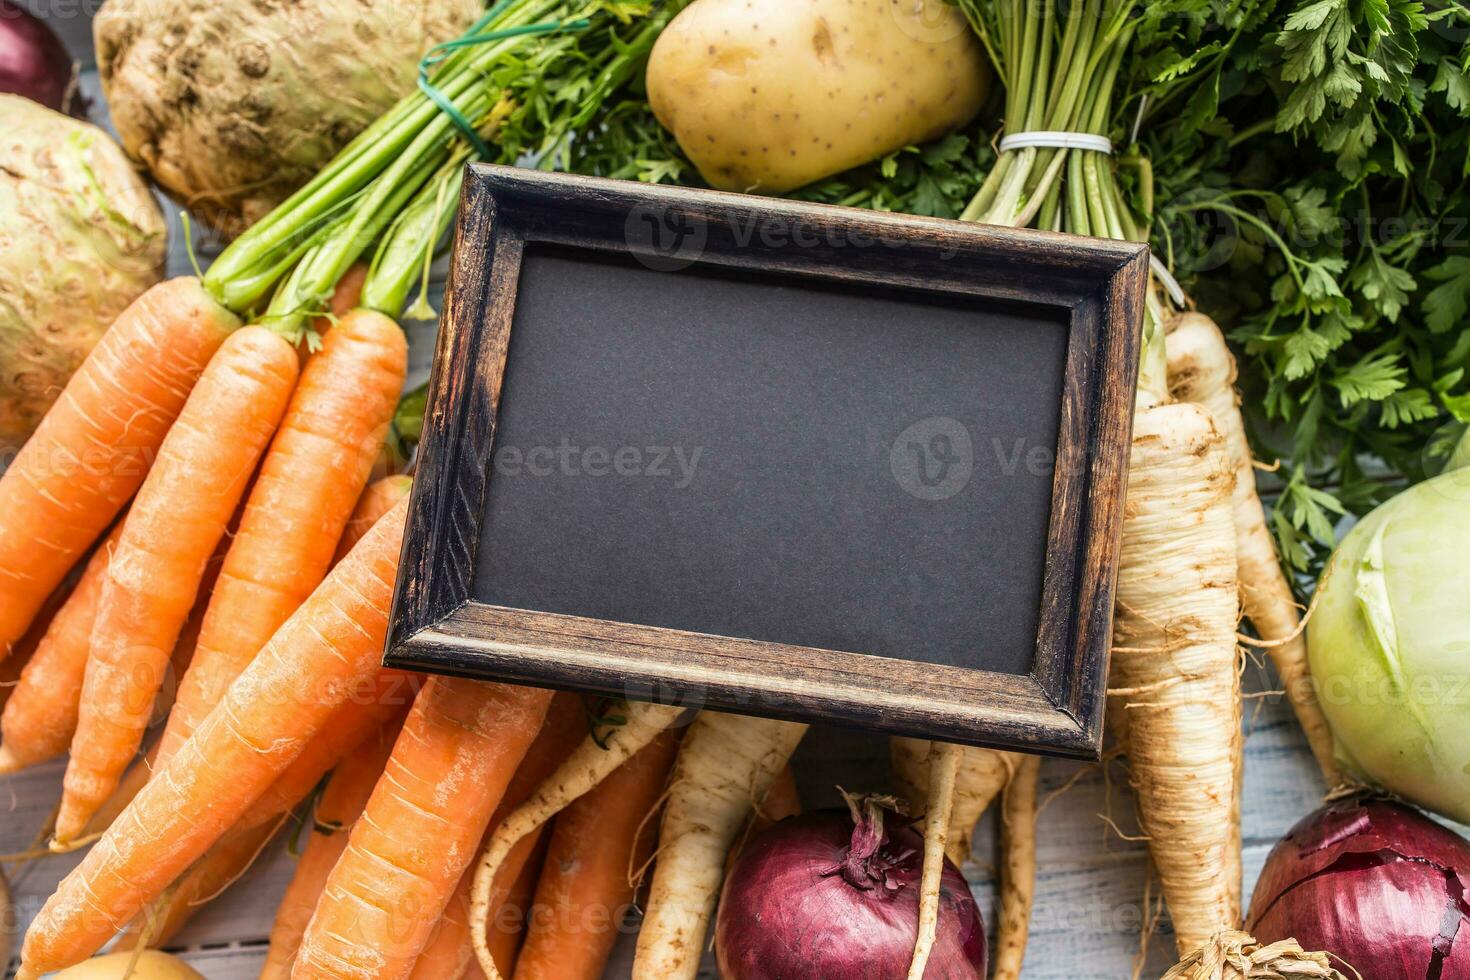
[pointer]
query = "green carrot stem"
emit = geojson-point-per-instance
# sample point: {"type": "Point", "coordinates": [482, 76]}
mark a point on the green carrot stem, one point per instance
{"type": "Point", "coordinates": [409, 244]}
{"type": "Point", "coordinates": [242, 273]}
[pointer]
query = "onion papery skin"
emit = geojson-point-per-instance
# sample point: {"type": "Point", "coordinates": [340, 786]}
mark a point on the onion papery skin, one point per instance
{"type": "Point", "coordinates": [788, 911]}
{"type": "Point", "coordinates": [33, 63]}
{"type": "Point", "coordinates": [1375, 883]}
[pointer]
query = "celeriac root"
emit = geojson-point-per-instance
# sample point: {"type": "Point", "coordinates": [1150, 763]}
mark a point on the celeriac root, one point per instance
{"type": "Point", "coordinates": [592, 762]}
{"type": "Point", "coordinates": [1017, 869]}
{"type": "Point", "coordinates": [983, 773]}
{"type": "Point", "coordinates": [1176, 659]}
{"type": "Point", "coordinates": [944, 767]}
{"type": "Point", "coordinates": [1202, 370]}
{"type": "Point", "coordinates": [1236, 956]}
{"type": "Point", "coordinates": [725, 764]}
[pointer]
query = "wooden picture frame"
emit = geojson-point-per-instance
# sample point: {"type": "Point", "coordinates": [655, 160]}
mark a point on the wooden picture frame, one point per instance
{"type": "Point", "coordinates": [1097, 286]}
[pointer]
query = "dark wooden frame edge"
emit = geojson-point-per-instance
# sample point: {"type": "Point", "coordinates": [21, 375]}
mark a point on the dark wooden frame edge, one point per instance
{"type": "Point", "coordinates": [1098, 284]}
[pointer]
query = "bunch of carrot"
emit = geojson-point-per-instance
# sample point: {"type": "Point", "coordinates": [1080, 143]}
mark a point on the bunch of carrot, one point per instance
{"type": "Point", "coordinates": [369, 899]}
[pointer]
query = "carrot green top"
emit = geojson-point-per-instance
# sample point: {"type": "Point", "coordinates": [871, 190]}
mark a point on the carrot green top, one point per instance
{"type": "Point", "coordinates": [528, 74]}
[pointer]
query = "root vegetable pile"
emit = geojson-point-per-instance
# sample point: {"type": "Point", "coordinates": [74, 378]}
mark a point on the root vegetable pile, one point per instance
{"type": "Point", "coordinates": [204, 515]}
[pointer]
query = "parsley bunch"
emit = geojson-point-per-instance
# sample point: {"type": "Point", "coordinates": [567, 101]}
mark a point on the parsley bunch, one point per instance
{"type": "Point", "coordinates": [1320, 212]}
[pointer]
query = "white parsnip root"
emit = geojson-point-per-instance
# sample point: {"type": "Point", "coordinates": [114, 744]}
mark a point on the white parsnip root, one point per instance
{"type": "Point", "coordinates": [1236, 956]}
{"type": "Point", "coordinates": [1202, 370]}
{"type": "Point", "coordinates": [1017, 868]}
{"type": "Point", "coordinates": [944, 767]}
{"type": "Point", "coordinates": [725, 764]}
{"type": "Point", "coordinates": [592, 762]}
{"type": "Point", "coordinates": [1175, 663]}
{"type": "Point", "coordinates": [983, 773]}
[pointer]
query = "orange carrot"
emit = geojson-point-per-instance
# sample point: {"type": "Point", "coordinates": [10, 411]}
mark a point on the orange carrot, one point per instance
{"type": "Point", "coordinates": [346, 296]}
{"type": "Point", "coordinates": [509, 921]}
{"type": "Point", "coordinates": [505, 920]}
{"type": "Point", "coordinates": [210, 876]}
{"type": "Point", "coordinates": [585, 890]}
{"type": "Point", "coordinates": [12, 667]}
{"type": "Point", "coordinates": [448, 771]}
{"type": "Point", "coordinates": [41, 715]}
{"type": "Point", "coordinates": [228, 860]}
{"type": "Point", "coordinates": [377, 702]}
{"type": "Point", "coordinates": [175, 523]}
{"type": "Point", "coordinates": [93, 448]}
{"type": "Point", "coordinates": [341, 803]}
{"type": "Point", "coordinates": [368, 709]}
{"type": "Point", "coordinates": [449, 953]}
{"type": "Point", "coordinates": [383, 696]}
{"type": "Point", "coordinates": [565, 727]}
{"type": "Point", "coordinates": [376, 500]}
{"type": "Point", "coordinates": [188, 641]}
{"type": "Point", "coordinates": [133, 781]}
{"type": "Point", "coordinates": [298, 508]}
{"type": "Point", "coordinates": [347, 791]}
{"type": "Point", "coordinates": [331, 646]}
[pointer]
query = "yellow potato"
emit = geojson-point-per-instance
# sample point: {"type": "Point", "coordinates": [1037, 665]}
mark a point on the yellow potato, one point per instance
{"type": "Point", "coordinates": [152, 965]}
{"type": "Point", "coordinates": [768, 95]}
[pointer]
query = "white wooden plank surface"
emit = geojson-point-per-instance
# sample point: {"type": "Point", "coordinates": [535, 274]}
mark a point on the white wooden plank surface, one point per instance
{"type": "Point", "coordinates": [1091, 884]}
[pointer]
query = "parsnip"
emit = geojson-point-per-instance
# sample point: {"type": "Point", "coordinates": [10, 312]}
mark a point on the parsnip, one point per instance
{"type": "Point", "coordinates": [983, 773]}
{"type": "Point", "coordinates": [1202, 370]}
{"type": "Point", "coordinates": [1174, 663]}
{"type": "Point", "coordinates": [944, 767]}
{"type": "Point", "coordinates": [1017, 868]}
{"type": "Point", "coordinates": [592, 762]}
{"type": "Point", "coordinates": [725, 764]}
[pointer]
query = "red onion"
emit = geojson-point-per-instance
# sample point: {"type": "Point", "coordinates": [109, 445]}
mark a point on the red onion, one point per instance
{"type": "Point", "coordinates": [826, 895]}
{"type": "Point", "coordinates": [32, 61]}
{"type": "Point", "coordinates": [1374, 882]}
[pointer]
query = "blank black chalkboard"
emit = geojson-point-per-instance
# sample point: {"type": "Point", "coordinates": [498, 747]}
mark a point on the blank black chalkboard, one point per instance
{"type": "Point", "coordinates": [819, 463]}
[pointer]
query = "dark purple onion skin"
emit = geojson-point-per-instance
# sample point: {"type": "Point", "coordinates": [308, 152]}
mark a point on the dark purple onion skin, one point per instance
{"type": "Point", "coordinates": [1374, 882]}
{"type": "Point", "coordinates": [33, 62]}
{"type": "Point", "coordinates": [785, 915]}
